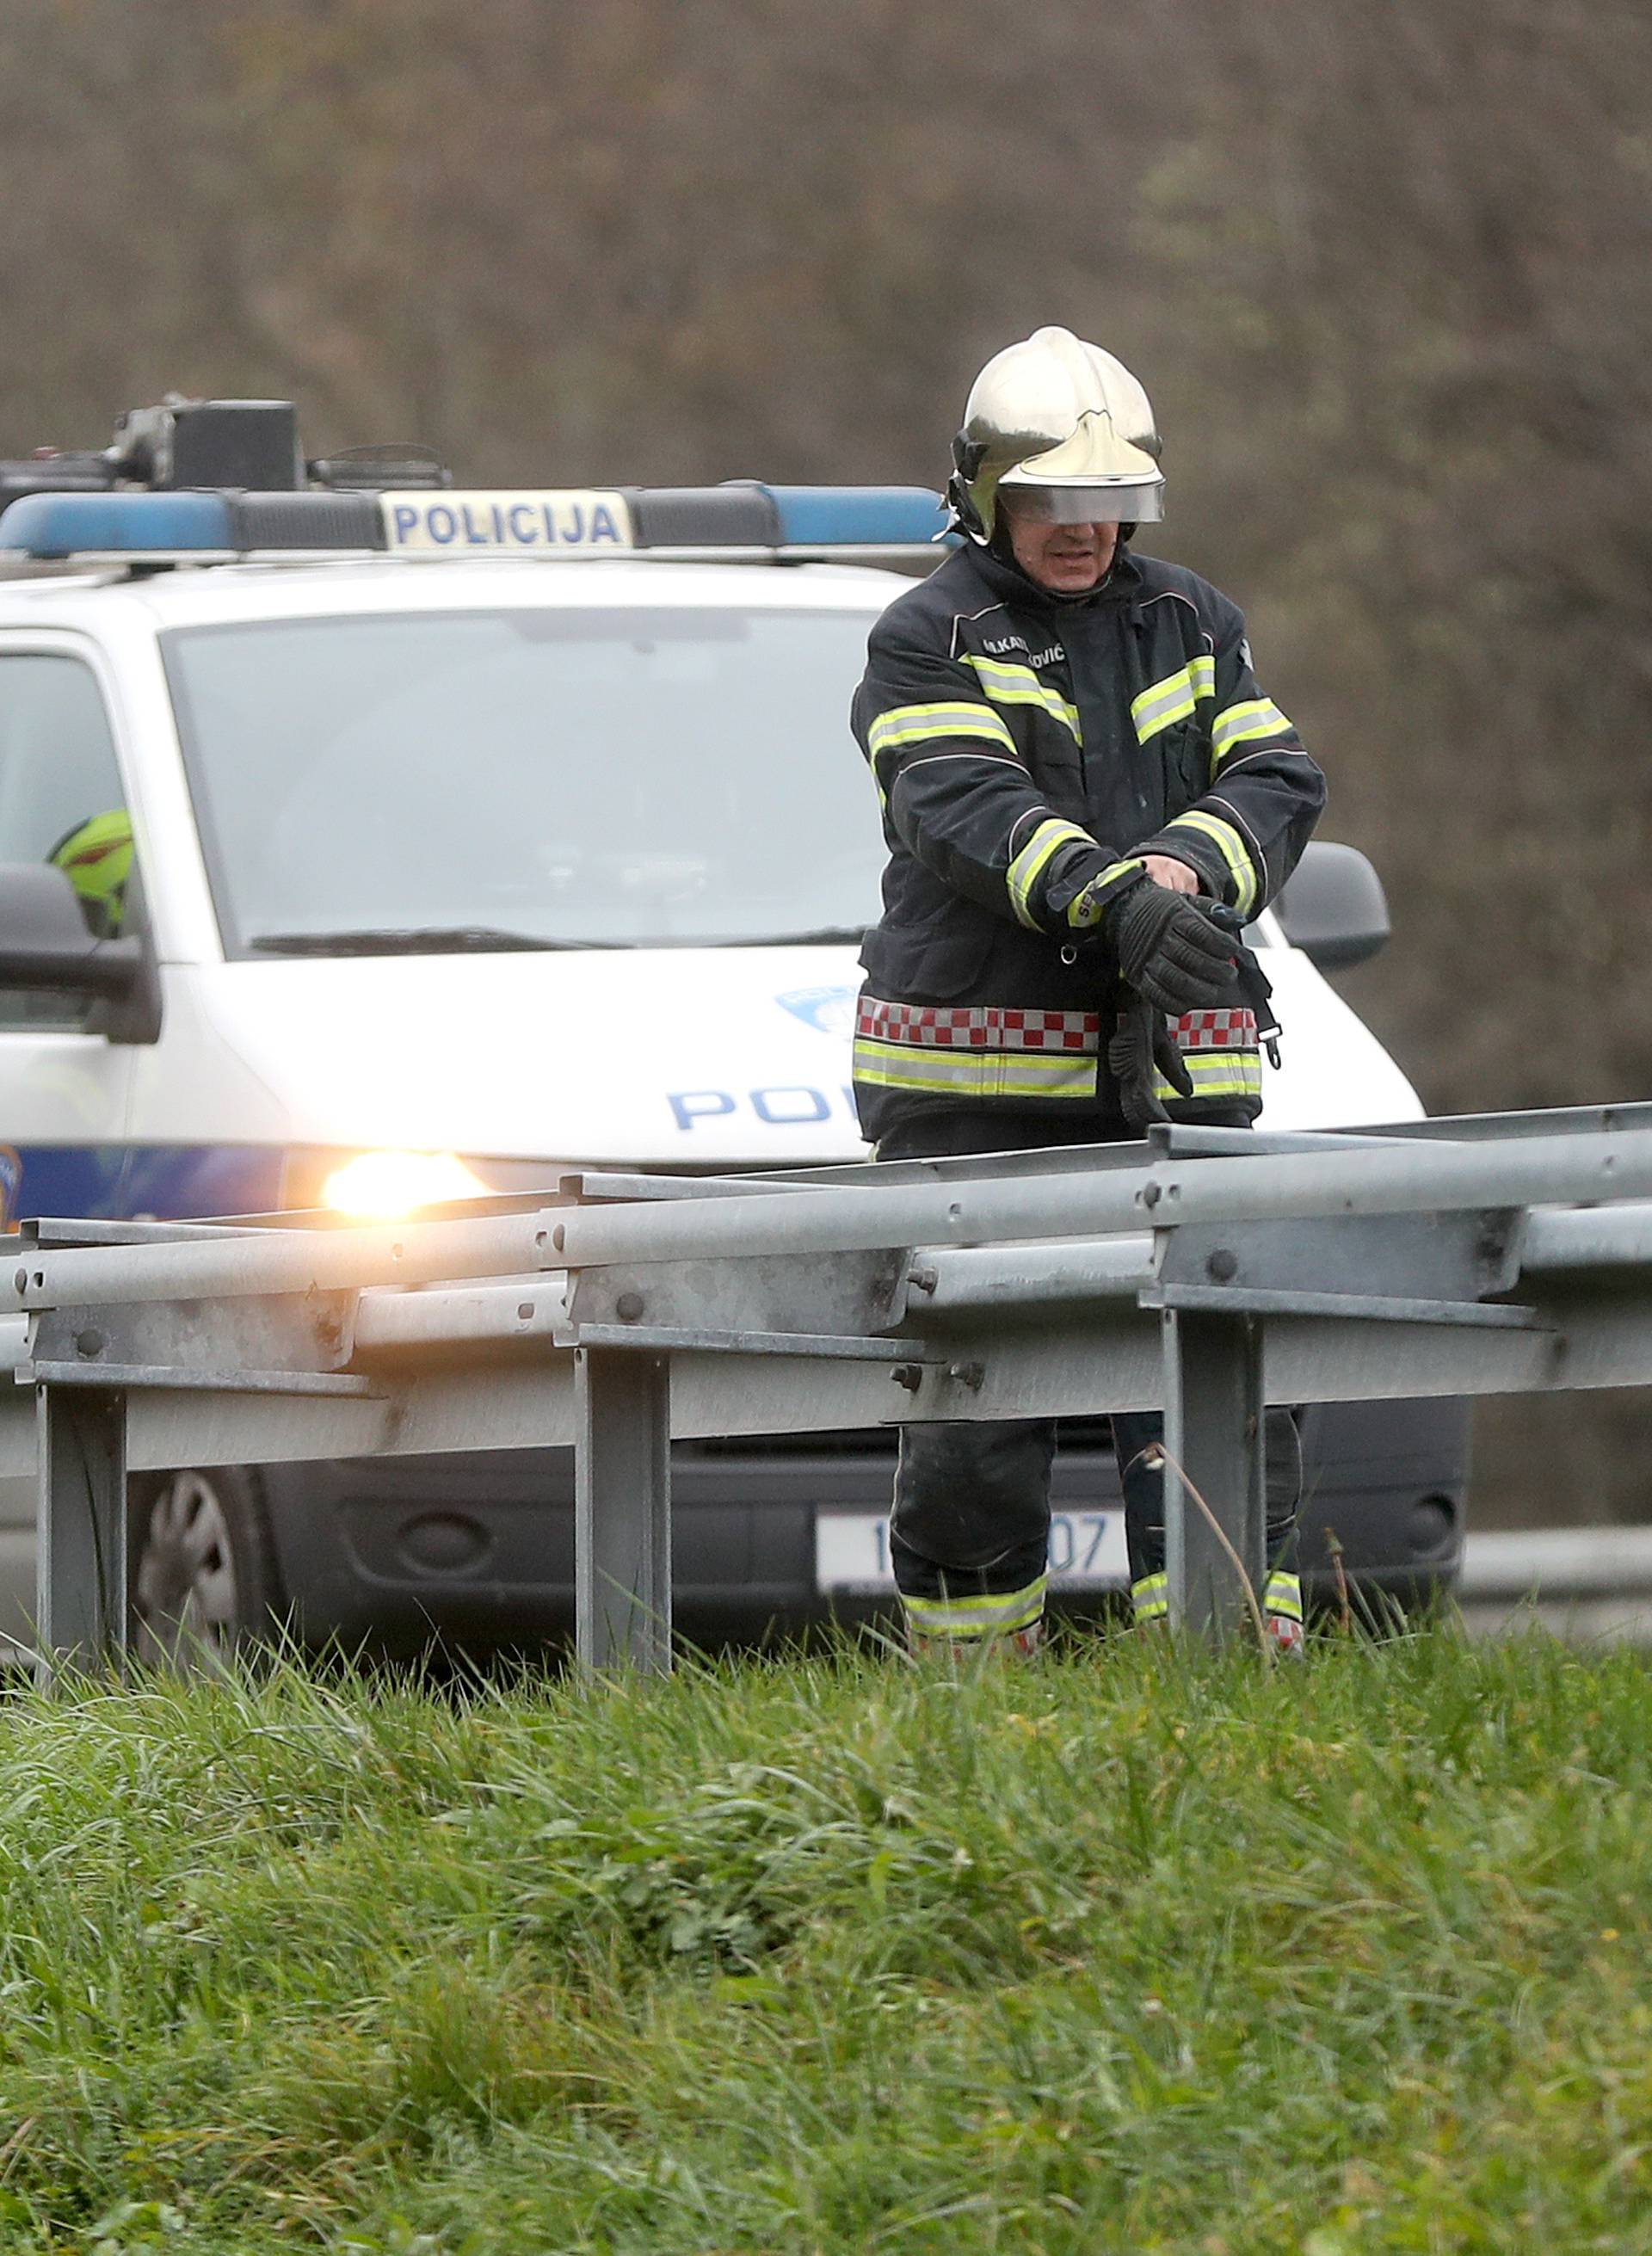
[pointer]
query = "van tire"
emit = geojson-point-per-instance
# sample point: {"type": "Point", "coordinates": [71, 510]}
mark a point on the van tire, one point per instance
{"type": "Point", "coordinates": [201, 1573]}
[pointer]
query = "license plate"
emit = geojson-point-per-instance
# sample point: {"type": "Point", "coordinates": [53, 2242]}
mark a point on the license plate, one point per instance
{"type": "Point", "coordinates": [851, 1553]}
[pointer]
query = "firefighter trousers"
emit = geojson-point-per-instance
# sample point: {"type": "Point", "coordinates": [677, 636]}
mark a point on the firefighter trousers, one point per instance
{"type": "Point", "coordinates": [968, 1535]}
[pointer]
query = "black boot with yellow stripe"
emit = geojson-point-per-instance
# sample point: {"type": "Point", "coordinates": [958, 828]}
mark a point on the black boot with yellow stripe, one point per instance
{"type": "Point", "coordinates": [1282, 1627]}
{"type": "Point", "coordinates": [1008, 1625]}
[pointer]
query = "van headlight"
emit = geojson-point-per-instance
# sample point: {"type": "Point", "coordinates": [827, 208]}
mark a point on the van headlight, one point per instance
{"type": "Point", "coordinates": [385, 1186]}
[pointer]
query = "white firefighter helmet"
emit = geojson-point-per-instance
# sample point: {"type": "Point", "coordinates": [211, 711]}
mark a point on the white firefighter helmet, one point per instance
{"type": "Point", "coordinates": [1066, 425]}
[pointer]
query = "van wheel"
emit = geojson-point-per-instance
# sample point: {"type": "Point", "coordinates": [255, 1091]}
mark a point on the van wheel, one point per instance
{"type": "Point", "coordinates": [202, 1567]}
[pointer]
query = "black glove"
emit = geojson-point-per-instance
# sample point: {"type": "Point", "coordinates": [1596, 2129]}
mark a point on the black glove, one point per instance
{"type": "Point", "coordinates": [1142, 1041]}
{"type": "Point", "coordinates": [1170, 950]}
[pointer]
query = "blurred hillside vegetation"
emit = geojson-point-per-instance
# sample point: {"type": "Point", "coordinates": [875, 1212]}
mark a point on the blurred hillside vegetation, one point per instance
{"type": "Point", "coordinates": [1383, 270]}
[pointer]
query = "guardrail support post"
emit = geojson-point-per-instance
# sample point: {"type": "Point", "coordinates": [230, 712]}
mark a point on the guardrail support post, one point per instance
{"type": "Point", "coordinates": [622, 1509]}
{"type": "Point", "coordinates": [80, 1523]}
{"type": "Point", "coordinates": [1214, 1431]}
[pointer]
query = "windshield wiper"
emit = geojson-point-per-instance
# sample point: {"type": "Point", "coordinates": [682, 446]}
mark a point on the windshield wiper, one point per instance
{"type": "Point", "coordinates": [489, 940]}
{"type": "Point", "coordinates": [825, 935]}
{"type": "Point", "coordinates": [419, 940]}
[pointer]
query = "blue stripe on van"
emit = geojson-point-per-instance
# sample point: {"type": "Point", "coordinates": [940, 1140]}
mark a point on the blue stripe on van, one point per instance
{"type": "Point", "coordinates": [178, 1182]}
{"type": "Point", "coordinates": [106, 1182]}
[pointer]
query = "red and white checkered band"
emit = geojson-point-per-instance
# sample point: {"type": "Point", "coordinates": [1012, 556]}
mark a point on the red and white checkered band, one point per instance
{"type": "Point", "coordinates": [1216, 1029]}
{"type": "Point", "coordinates": [979, 1026]}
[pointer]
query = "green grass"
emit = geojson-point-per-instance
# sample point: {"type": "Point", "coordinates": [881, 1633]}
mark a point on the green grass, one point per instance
{"type": "Point", "coordinates": [1130, 1949]}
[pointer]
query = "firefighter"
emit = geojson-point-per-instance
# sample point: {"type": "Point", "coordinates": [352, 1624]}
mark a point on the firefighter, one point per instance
{"type": "Point", "coordinates": [1076, 767]}
{"type": "Point", "coordinates": [96, 856]}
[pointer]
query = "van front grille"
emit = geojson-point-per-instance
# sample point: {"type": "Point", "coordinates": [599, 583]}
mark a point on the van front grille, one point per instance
{"type": "Point", "coordinates": [1076, 1437]}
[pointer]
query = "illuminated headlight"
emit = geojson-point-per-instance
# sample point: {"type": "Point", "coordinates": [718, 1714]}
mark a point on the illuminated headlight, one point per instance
{"type": "Point", "coordinates": [384, 1186]}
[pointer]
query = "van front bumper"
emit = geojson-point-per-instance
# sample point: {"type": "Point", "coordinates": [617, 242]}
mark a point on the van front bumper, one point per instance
{"type": "Point", "coordinates": [394, 1553]}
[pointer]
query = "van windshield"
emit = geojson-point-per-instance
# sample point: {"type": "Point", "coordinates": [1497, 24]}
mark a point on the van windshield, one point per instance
{"type": "Point", "coordinates": [424, 782]}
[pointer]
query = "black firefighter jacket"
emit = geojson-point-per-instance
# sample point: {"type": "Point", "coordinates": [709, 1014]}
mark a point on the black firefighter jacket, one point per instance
{"type": "Point", "coordinates": [1027, 751]}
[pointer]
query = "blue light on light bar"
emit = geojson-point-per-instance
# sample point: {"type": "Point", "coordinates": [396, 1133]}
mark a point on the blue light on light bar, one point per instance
{"type": "Point", "coordinates": [114, 525]}
{"type": "Point", "coordinates": [860, 517]}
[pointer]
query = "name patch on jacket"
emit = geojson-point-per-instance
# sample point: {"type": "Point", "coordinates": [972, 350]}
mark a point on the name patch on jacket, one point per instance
{"type": "Point", "coordinates": [997, 646]}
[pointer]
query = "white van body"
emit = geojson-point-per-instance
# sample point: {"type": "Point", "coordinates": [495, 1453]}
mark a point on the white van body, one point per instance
{"type": "Point", "coordinates": [270, 1070]}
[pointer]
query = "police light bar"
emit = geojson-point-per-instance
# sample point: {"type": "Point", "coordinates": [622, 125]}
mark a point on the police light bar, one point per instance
{"type": "Point", "coordinates": [199, 527]}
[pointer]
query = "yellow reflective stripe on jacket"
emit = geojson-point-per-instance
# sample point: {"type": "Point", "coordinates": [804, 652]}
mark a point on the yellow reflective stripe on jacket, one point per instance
{"type": "Point", "coordinates": [984, 1074]}
{"type": "Point", "coordinates": [1174, 698]}
{"type": "Point", "coordinates": [1233, 852]}
{"type": "Point", "coordinates": [999, 1616]}
{"type": "Point", "coordinates": [1018, 684]}
{"type": "Point", "coordinates": [917, 724]}
{"type": "Point", "coordinates": [1024, 872]}
{"type": "Point", "coordinates": [1214, 1073]}
{"type": "Point", "coordinates": [1150, 1598]}
{"type": "Point", "coordinates": [1086, 908]}
{"type": "Point", "coordinates": [1257, 717]}
{"type": "Point", "coordinates": [1284, 1595]}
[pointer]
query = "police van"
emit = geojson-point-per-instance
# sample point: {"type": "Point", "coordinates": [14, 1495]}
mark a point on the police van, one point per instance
{"type": "Point", "coordinates": [366, 845]}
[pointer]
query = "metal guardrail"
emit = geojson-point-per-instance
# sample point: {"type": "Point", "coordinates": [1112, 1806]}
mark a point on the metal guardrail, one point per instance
{"type": "Point", "coordinates": [1580, 1583]}
{"type": "Point", "coordinates": [1563, 1565]}
{"type": "Point", "coordinates": [1209, 1272]}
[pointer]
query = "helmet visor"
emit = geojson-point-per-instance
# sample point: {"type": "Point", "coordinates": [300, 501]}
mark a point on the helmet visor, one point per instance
{"type": "Point", "coordinates": [1110, 501]}
{"type": "Point", "coordinates": [1093, 476]}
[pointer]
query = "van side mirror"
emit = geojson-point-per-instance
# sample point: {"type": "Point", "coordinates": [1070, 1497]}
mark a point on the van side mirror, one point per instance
{"type": "Point", "coordinates": [1334, 907]}
{"type": "Point", "coordinates": [45, 948]}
